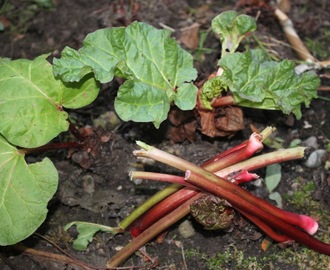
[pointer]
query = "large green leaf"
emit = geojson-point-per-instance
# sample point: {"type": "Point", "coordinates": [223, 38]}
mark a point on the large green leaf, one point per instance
{"type": "Point", "coordinates": [32, 101]}
{"type": "Point", "coordinates": [259, 83]}
{"type": "Point", "coordinates": [154, 65]}
{"type": "Point", "coordinates": [24, 193]}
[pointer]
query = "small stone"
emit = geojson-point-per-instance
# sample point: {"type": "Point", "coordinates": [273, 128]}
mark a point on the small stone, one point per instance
{"type": "Point", "coordinates": [108, 121]}
{"type": "Point", "coordinates": [316, 158]}
{"type": "Point", "coordinates": [88, 184]}
{"type": "Point", "coordinates": [298, 169]}
{"type": "Point", "coordinates": [186, 229]}
{"type": "Point", "coordinates": [311, 142]}
{"type": "Point", "coordinates": [307, 125]}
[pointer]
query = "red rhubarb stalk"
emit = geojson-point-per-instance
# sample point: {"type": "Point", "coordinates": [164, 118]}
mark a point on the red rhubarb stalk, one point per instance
{"type": "Point", "coordinates": [263, 135]}
{"type": "Point", "coordinates": [161, 209]}
{"type": "Point", "coordinates": [252, 146]}
{"type": "Point", "coordinates": [266, 229]}
{"type": "Point", "coordinates": [152, 232]}
{"type": "Point", "coordinates": [227, 158]}
{"type": "Point", "coordinates": [207, 183]}
{"type": "Point", "coordinates": [304, 222]}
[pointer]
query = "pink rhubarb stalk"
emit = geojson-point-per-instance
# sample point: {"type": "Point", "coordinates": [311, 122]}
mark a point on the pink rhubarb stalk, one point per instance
{"type": "Point", "coordinates": [302, 221]}
{"type": "Point", "coordinates": [205, 182]}
{"type": "Point", "coordinates": [226, 158]}
{"type": "Point", "coordinates": [252, 146]}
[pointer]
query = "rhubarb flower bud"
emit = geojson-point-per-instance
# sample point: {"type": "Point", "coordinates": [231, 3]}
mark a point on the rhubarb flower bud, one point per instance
{"type": "Point", "coordinates": [212, 212]}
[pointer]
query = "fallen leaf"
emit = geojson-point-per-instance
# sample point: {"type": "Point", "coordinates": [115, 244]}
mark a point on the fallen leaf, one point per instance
{"type": "Point", "coordinates": [189, 36]}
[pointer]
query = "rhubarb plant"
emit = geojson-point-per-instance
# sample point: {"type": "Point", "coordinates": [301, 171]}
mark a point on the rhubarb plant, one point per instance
{"type": "Point", "coordinates": [32, 103]}
{"type": "Point", "coordinates": [211, 194]}
{"type": "Point", "coordinates": [252, 78]}
{"type": "Point", "coordinates": [35, 96]}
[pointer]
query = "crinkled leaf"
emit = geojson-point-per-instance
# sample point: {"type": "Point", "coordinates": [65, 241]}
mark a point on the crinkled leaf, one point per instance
{"type": "Point", "coordinates": [31, 101]}
{"type": "Point", "coordinates": [148, 58]}
{"type": "Point", "coordinates": [211, 89]}
{"type": "Point", "coordinates": [86, 232]}
{"type": "Point", "coordinates": [25, 190]}
{"type": "Point", "coordinates": [259, 83]}
{"type": "Point", "coordinates": [232, 28]}
{"type": "Point", "coordinates": [273, 176]}
{"type": "Point", "coordinates": [140, 102]}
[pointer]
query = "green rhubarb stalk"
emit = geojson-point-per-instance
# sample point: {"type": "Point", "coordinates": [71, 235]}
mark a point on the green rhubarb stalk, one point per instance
{"type": "Point", "coordinates": [159, 196]}
{"type": "Point", "coordinates": [263, 160]}
{"type": "Point", "coordinates": [162, 209]}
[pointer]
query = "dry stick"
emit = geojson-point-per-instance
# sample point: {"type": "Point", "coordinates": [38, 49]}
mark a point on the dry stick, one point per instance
{"type": "Point", "coordinates": [293, 38]}
{"type": "Point", "coordinates": [51, 256]}
{"type": "Point", "coordinates": [296, 42]}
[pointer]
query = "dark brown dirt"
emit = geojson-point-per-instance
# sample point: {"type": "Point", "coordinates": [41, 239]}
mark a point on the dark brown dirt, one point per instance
{"type": "Point", "coordinates": [102, 193]}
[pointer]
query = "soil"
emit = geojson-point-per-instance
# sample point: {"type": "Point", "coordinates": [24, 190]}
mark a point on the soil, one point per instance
{"type": "Point", "coordinates": [98, 189]}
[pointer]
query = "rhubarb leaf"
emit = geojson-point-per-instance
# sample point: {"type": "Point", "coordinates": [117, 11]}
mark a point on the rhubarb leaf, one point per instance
{"type": "Point", "coordinates": [257, 82]}
{"type": "Point", "coordinates": [31, 101]}
{"type": "Point", "coordinates": [25, 190]}
{"type": "Point", "coordinates": [232, 28]}
{"type": "Point", "coordinates": [86, 232]}
{"type": "Point", "coordinates": [158, 71]}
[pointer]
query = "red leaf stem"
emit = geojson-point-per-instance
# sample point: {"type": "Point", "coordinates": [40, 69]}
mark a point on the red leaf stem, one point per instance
{"type": "Point", "coordinates": [223, 101]}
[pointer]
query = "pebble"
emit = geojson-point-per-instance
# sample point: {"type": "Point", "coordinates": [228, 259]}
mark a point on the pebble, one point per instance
{"type": "Point", "coordinates": [311, 142]}
{"type": "Point", "coordinates": [316, 158]}
{"type": "Point", "coordinates": [186, 229]}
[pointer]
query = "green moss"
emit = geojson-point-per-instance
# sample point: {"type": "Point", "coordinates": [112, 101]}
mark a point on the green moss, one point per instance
{"type": "Point", "coordinates": [233, 258]}
{"type": "Point", "coordinates": [304, 259]}
{"type": "Point", "coordinates": [302, 194]}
